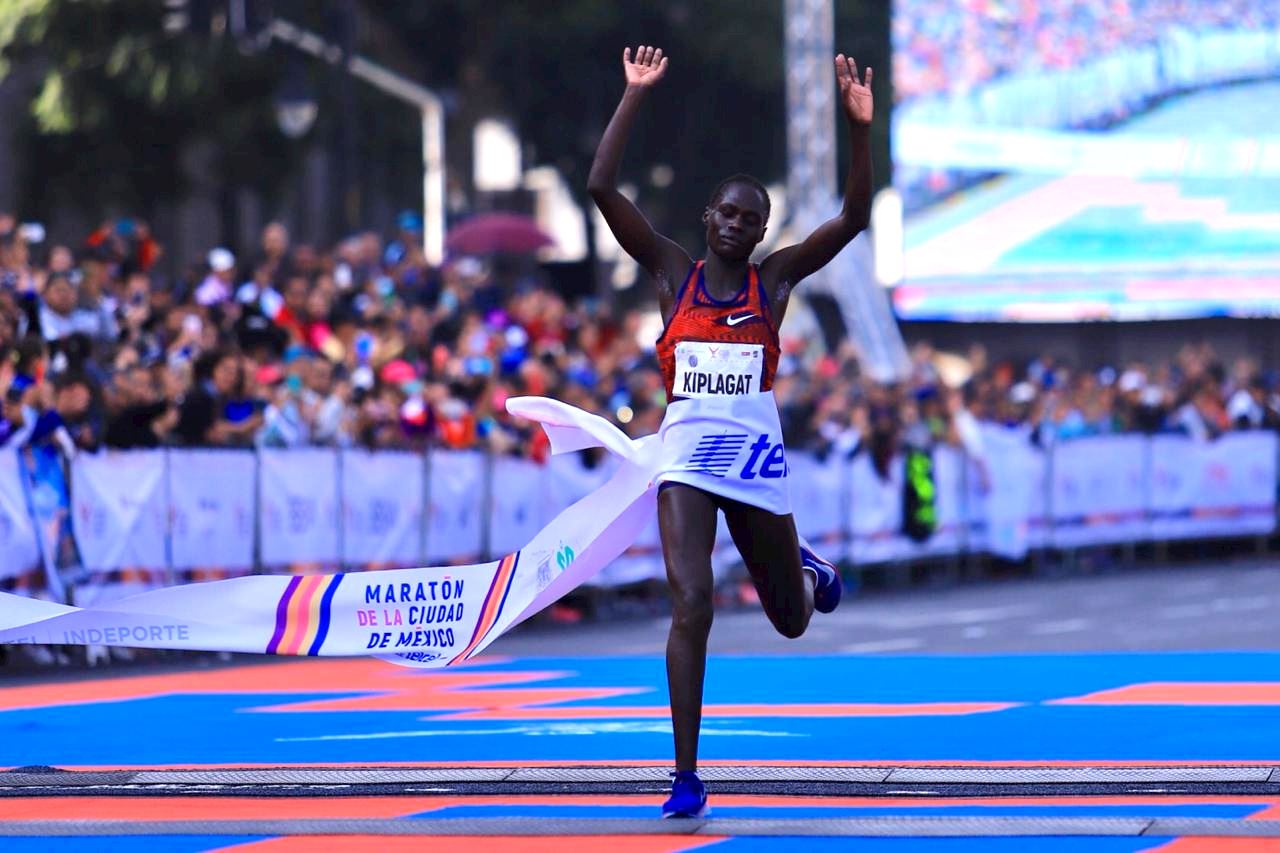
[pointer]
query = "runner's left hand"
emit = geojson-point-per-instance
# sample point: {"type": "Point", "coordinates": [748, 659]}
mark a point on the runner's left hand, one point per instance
{"type": "Point", "coordinates": [855, 96]}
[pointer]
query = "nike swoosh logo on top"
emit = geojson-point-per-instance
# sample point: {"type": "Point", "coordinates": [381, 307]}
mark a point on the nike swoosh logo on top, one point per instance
{"type": "Point", "coordinates": [733, 321]}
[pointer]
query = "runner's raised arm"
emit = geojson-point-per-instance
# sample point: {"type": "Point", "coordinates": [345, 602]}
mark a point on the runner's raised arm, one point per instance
{"type": "Point", "coordinates": [661, 257]}
{"type": "Point", "coordinates": [795, 262]}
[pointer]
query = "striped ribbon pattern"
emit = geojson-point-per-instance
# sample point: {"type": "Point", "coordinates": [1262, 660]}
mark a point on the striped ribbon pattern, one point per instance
{"type": "Point", "coordinates": [494, 599]}
{"type": "Point", "coordinates": [302, 616]}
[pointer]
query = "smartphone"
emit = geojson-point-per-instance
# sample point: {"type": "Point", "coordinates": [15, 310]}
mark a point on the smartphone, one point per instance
{"type": "Point", "coordinates": [192, 324]}
{"type": "Point", "coordinates": [364, 347]}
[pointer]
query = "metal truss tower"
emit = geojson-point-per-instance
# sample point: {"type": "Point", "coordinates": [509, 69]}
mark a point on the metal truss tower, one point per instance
{"type": "Point", "coordinates": [813, 192]}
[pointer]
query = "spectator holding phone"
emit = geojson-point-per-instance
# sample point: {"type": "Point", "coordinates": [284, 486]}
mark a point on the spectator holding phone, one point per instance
{"type": "Point", "coordinates": [219, 410]}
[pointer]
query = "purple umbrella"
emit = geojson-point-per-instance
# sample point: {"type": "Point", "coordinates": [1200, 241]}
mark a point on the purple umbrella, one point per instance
{"type": "Point", "coordinates": [497, 232]}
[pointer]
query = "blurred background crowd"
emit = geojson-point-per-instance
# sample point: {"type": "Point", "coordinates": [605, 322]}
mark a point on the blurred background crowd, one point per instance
{"type": "Point", "coordinates": [945, 46]}
{"type": "Point", "coordinates": [363, 344]}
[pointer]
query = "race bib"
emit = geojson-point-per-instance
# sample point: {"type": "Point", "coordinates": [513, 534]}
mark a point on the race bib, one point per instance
{"type": "Point", "coordinates": [717, 370]}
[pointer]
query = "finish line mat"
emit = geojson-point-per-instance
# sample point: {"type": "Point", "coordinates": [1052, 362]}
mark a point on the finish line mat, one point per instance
{"type": "Point", "coordinates": [627, 823]}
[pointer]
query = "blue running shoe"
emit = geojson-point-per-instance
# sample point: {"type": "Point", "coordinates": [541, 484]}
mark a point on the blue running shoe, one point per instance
{"type": "Point", "coordinates": [688, 796]}
{"type": "Point", "coordinates": [826, 592]}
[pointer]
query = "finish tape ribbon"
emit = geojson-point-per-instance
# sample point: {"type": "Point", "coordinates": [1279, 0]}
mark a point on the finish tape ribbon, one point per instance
{"type": "Point", "coordinates": [429, 617]}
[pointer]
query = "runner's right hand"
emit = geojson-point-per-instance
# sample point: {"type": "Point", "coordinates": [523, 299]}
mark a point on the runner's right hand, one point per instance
{"type": "Point", "coordinates": [648, 68]}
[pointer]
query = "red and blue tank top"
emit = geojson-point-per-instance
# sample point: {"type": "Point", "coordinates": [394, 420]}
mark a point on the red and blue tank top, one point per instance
{"type": "Point", "coordinates": [719, 348]}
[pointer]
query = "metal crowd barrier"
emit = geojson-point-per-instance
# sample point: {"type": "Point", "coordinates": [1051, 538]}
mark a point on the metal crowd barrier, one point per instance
{"type": "Point", "coordinates": [175, 515]}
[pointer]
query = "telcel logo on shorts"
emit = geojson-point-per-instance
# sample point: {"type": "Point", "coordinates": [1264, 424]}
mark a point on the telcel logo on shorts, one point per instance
{"type": "Point", "coordinates": [717, 455]}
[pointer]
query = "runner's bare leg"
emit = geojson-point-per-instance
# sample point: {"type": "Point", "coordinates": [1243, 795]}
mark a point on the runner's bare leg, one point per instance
{"type": "Point", "coordinates": [770, 548]}
{"type": "Point", "coordinates": [687, 521]}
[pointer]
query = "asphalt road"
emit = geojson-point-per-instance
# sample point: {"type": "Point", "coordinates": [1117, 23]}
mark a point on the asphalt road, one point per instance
{"type": "Point", "coordinates": [1218, 606]}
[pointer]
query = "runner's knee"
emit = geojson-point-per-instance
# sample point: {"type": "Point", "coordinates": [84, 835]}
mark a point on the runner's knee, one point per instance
{"type": "Point", "coordinates": [691, 609]}
{"type": "Point", "coordinates": [792, 626]}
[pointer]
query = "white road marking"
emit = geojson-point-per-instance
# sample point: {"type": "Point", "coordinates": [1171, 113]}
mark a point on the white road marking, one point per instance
{"type": "Point", "coordinates": [576, 728]}
{"type": "Point", "coordinates": [917, 620]}
{"type": "Point", "coordinates": [1243, 604]}
{"type": "Point", "coordinates": [1184, 611]}
{"type": "Point", "coordinates": [896, 644]}
{"type": "Point", "coordinates": [1062, 626]}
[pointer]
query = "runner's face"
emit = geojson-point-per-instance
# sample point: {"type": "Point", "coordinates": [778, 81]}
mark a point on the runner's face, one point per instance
{"type": "Point", "coordinates": [736, 222]}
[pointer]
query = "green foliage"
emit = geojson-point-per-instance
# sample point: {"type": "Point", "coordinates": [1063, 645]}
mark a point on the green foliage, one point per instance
{"type": "Point", "coordinates": [15, 14]}
{"type": "Point", "coordinates": [121, 98]}
{"type": "Point", "coordinates": [558, 67]}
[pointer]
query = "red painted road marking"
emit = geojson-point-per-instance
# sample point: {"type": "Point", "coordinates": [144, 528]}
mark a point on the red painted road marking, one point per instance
{"type": "Point", "coordinates": [835, 709]}
{"type": "Point", "coordinates": [475, 694]}
{"type": "Point", "coordinates": [297, 808]}
{"type": "Point", "coordinates": [213, 808]}
{"type": "Point", "coordinates": [1182, 693]}
{"type": "Point", "coordinates": [1272, 813]}
{"type": "Point", "coordinates": [1220, 845]}
{"type": "Point", "coordinates": [478, 844]}
{"type": "Point", "coordinates": [385, 687]}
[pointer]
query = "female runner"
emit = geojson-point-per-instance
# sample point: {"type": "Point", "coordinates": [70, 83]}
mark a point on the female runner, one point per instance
{"type": "Point", "coordinates": [718, 353]}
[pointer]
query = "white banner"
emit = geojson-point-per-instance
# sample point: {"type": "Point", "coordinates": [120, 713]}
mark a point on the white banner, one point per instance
{"type": "Point", "coordinates": [876, 510]}
{"type": "Point", "coordinates": [519, 507]}
{"type": "Point", "coordinates": [118, 509]}
{"type": "Point", "coordinates": [455, 508]}
{"type": "Point", "coordinates": [1099, 491]}
{"type": "Point", "coordinates": [819, 495]}
{"type": "Point", "coordinates": [977, 493]}
{"type": "Point", "coordinates": [1015, 498]}
{"type": "Point", "coordinates": [1225, 487]}
{"type": "Point", "coordinates": [949, 478]}
{"type": "Point", "coordinates": [212, 495]}
{"type": "Point", "coordinates": [1058, 152]}
{"type": "Point", "coordinates": [382, 506]}
{"type": "Point", "coordinates": [299, 506]}
{"type": "Point", "coordinates": [875, 520]}
{"type": "Point", "coordinates": [19, 552]}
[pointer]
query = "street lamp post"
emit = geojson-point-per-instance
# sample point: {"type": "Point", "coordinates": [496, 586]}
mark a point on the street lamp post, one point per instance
{"type": "Point", "coordinates": [427, 103]}
{"type": "Point", "coordinates": [295, 103]}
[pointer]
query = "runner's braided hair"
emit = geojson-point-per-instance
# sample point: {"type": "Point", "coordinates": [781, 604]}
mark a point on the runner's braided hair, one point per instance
{"type": "Point", "coordinates": [741, 178]}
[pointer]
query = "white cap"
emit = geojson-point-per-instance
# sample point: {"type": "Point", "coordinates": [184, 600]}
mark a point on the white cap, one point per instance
{"type": "Point", "coordinates": [1241, 405]}
{"type": "Point", "coordinates": [1023, 392]}
{"type": "Point", "coordinates": [1132, 380]}
{"type": "Point", "coordinates": [342, 276]}
{"type": "Point", "coordinates": [221, 260]}
{"type": "Point", "coordinates": [362, 377]}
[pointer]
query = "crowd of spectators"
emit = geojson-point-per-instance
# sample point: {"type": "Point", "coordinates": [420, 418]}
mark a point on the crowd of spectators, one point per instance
{"type": "Point", "coordinates": [361, 344]}
{"type": "Point", "coordinates": [365, 345]}
{"type": "Point", "coordinates": [827, 408]}
{"type": "Point", "coordinates": [949, 46]}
